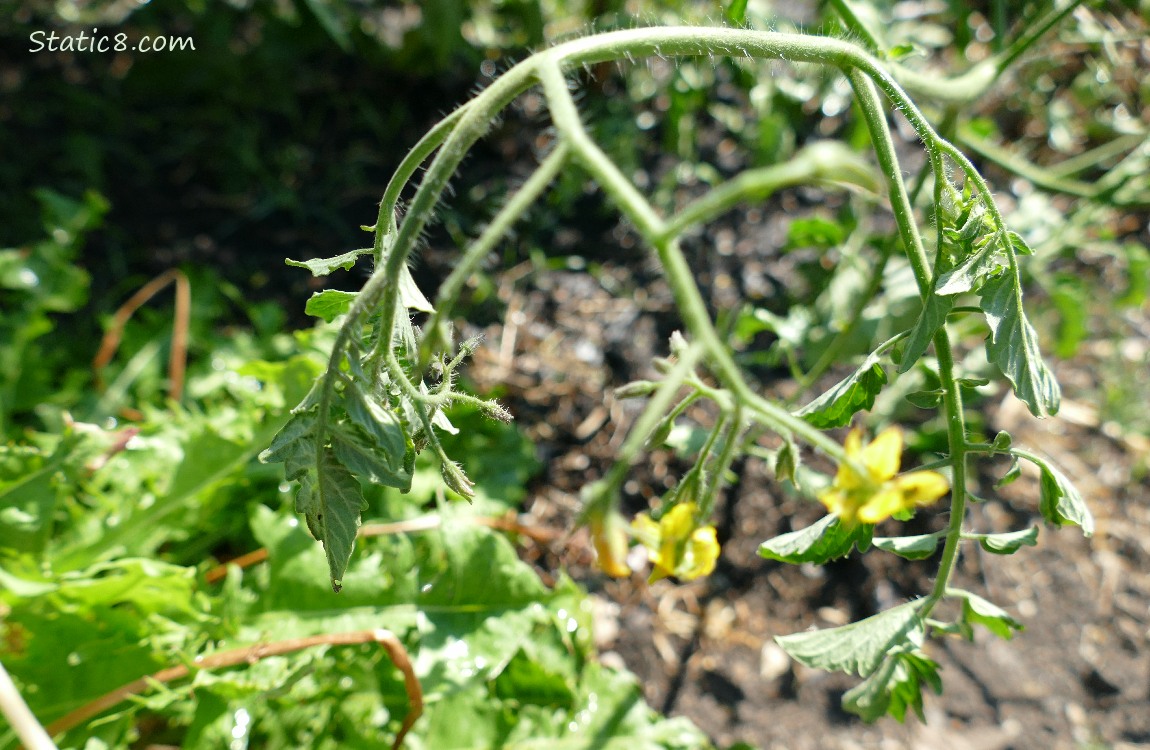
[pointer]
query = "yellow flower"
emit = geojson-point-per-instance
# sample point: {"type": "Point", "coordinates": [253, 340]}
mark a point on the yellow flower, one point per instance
{"type": "Point", "coordinates": [676, 544]}
{"type": "Point", "coordinates": [609, 536]}
{"type": "Point", "coordinates": [879, 493]}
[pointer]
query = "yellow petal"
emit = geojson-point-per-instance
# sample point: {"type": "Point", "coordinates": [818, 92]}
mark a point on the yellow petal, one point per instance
{"type": "Point", "coordinates": [700, 556]}
{"type": "Point", "coordinates": [920, 488]}
{"type": "Point", "coordinates": [847, 478]}
{"type": "Point", "coordinates": [881, 505]}
{"type": "Point", "coordinates": [677, 523]}
{"type": "Point", "coordinates": [610, 541]}
{"type": "Point", "coordinates": [884, 454]}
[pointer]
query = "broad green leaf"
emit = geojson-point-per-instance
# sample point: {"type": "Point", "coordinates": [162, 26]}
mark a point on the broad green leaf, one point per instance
{"type": "Point", "coordinates": [329, 304]}
{"type": "Point", "coordinates": [911, 547]}
{"type": "Point", "coordinates": [822, 541]}
{"type": "Point", "coordinates": [931, 318]}
{"type": "Point", "coordinates": [972, 273]}
{"type": "Point", "coordinates": [894, 687]}
{"type": "Point", "coordinates": [1059, 500]}
{"type": "Point", "coordinates": [1010, 542]}
{"type": "Point", "coordinates": [365, 459]}
{"type": "Point", "coordinates": [1013, 346]}
{"type": "Point", "coordinates": [378, 422]}
{"type": "Point", "coordinates": [978, 611]}
{"type": "Point", "coordinates": [333, 511]}
{"type": "Point", "coordinates": [850, 395]}
{"type": "Point", "coordinates": [325, 266]}
{"type": "Point", "coordinates": [860, 647]}
{"type": "Point", "coordinates": [294, 445]}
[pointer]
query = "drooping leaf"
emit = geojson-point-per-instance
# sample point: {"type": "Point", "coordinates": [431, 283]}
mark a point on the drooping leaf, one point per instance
{"type": "Point", "coordinates": [379, 422]}
{"type": "Point", "coordinates": [1013, 473]}
{"type": "Point", "coordinates": [325, 266]}
{"type": "Point", "coordinates": [894, 687]}
{"type": "Point", "coordinates": [925, 399]}
{"type": "Point", "coordinates": [860, 647]}
{"type": "Point", "coordinates": [329, 304]}
{"type": "Point", "coordinates": [365, 459]}
{"type": "Point", "coordinates": [850, 395]}
{"type": "Point", "coordinates": [1059, 500]}
{"type": "Point", "coordinates": [910, 547]}
{"type": "Point", "coordinates": [931, 318]}
{"type": "Point", "coordinates": [410, 296]}
{"type": "Point", "coordinates": [826, 539]}
{"type": "Point", "coordinates": [294, 445]}
{"type": "Point", "coordinates": [1013, 346]}
{"type": "Point", "coordinates": [332, 511]}
{"type": "Point", "coordinates": [1009, 542]}
{"type": "Point", "coordinates": [972, 272]}
{"type": "Point", "coordinates": [978, 611]}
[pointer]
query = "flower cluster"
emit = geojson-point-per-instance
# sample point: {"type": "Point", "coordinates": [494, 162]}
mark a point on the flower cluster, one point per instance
{"type": "Point", "coordinates": [676, 544]}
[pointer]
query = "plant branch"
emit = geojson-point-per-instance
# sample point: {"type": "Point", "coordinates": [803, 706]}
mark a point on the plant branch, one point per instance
{"type": "Point", "coordinates": [20, 717]}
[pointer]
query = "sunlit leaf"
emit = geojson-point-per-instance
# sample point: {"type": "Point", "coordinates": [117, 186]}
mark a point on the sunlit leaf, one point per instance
{"type": "Point", "coordinates": [860, 647]}
{"type": "Point", "coordinates": [1013, 346]}
{"type": "Point", "coordinates": [325, 266]}
{"type": "Point", "coordinates": [911, 547]}
{"type": "Point", "coordinates": [1009, 542]}
{"type": "Point", "coordinates": [978, 611]}
{"type": "Point", "coordinates": [1059, 501]}
{"type": "Point", "coordinates": [856, 392]}
{"type": "Point", "coordinates": [930, 319]}
{"type": "Point", "coordinates": [826, 539]}
{"type": "Point", "coordinates": [894, 687]}
{"type": "Point", "coordinates": [329, 304]}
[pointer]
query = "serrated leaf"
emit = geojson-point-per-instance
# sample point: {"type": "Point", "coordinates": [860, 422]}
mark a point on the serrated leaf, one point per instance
{"type": "Point", "coordinates": [294, 446]}
{"type": "Point", "coordinates": [333, 512]}
{"type": "Point", "coordinates": [850, 395]}
{"type": "Point", "coordinates": [329, 304]}
{"type": "Point", "coordinates": [925, 399]}
{"type": "Point", "coordinates": [917, 547]}
{"type": "Point", "coordinates": [858, 648]}
{"type": "Point", "coordinates": [822, 541]}
{"type": "Point", "coordinates": [1013, 346]}
{"type": "Point", "coordinates": [894, 687]}
{"type": "Point", "coordinates": [972, 273]}
{"type": "Point", "coordinates": [1059, 500]}
{"type": "Point", "coordinates": [1018, 243]}
{"type": "Point", "coordinates": [379, 422]}
{"type": "Point", "coordinates": [365, 460]}
{"type": "Point", "coordinates": [325, 266]}
{"type": "Point", "coordinates": [978, 611]}
{"type": "Point", "coordinates": [931, 318]}
{"type": "Point", "coordinates": [1009, 542]}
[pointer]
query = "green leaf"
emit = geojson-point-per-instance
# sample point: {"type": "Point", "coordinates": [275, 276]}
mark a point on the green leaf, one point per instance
{"type": "Point", "coordinates": [1009, 542]}
{"type": "Point", "coordinates": [850, 395]}
{"type": "Point", "coordinates": [294, 445]}
{"type": "Point", "coordinates": [1059, 500]}
{"type": "Point", "coordinates": [1018, 243]}
{"type": "Point", "coordinates": [324, 266]}
{"type": "Point", "coordinates": [379, 422]}
{"type": "Point", "coordinates": [1013, 346]}
{"type": "Point", "coordinates": [978, 611]}
{"type": "Point", "coordinates": [894, 687]}
{"type": "Point", "coordinates": [972, 273]}
{"type": "Point", "coordinates": [365, 460]}
{"type": "Point", "coordinates": [736, 12]}
{"type": "Point", "coordinates": [1013, 473]}
{"type": "Point", "coordinates": [410, 297]}
{"type": "Point", "coordinates": [787, 462]}
{"type": "Point", "coordinates": [931, 318]}
{"type": "Point", "coordinates": [329, 304]}
{"type": "Point", "coordinates": [858, 648]}
{"type": "Point", "coordinates": [911, 547]}
{"type": "Point", "coordinates": [822, 541]}
{"type": "Point", "coordinates": [332, 507]}
{"type": "Point", "coordinates": [925, 399]}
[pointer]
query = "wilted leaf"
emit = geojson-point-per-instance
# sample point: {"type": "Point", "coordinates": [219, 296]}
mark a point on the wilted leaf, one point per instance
{"type": "Point", "coordinates": [333, 505]}
{"type": "Point", "coordinates": [894, 687]}
{"type": "Point", "coordinates": [1013, 346]}
{"type": "Point", "coordinates": [1059, 500]}
{"type": "Point", "coordinates": [978, 611]}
